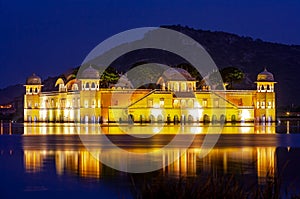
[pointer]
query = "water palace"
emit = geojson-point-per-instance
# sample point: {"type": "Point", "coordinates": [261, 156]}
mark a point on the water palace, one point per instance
{"type": "Point", "coordinates": [82, 100]}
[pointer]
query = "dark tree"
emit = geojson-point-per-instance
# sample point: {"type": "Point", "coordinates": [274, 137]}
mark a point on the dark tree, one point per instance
{"type": "Point", "coordinates": [109, 76]}
{"type": "Point", "coordinates": [231, 75]}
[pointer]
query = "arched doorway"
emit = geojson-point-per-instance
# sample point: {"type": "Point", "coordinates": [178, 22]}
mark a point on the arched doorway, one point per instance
{"type": "Point", "coordinates": [206, 118]}
{"type": "Point", "coordinates": [214, 119]}
{"type": "Point", "coordinates": [176, 119]}
{"type": "Point", "coordinates": [160, 118]}
{"type": "Point", "coordinates": [190, 119]}
{"type": "Point", "coordinates": [151, 118]}
{"type": "Point", "coordinates": [142, 118]}
{"type": "Point", "coordinates": [263, 118]}
{"type": "Point", "coordinates": [222, 118]}
{"type": "Point", "coordinates": [130, 118]}
{"type": "Point", "coordinates": [86, 119]}
{"type": "Point", "coordinates": [233, 118]}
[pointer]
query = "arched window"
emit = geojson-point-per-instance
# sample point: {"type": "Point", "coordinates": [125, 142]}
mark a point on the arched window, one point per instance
{"type": "Point", "coordinates": [262, 87]}
{"type": "Point", "coordinates": [176, 86]}
{"type": "Point", "coordinates": [268, 87]}
{"type": "Point", "coordinates": [87, 85]}
{"type": "Point", "coordinates": [74, 87]}
{"type": "Point", "coordinates": [190, 103]}
{"type": "Point", "coordinates": [183, 87]}
{"type": "Point", "coordinates": [30, 90]}
{"type": "Point", "coordinates": [93, 85]}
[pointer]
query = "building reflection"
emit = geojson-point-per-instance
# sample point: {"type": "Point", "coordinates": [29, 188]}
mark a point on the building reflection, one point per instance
{"type": "Point", "coordinates": [81, 162]}
{"type": "Point", "coordinates": [71, 156]}
{"type": "Point", "coordinates": [257, 162]}
{"type": "Point", "coordinates": [72, 128]}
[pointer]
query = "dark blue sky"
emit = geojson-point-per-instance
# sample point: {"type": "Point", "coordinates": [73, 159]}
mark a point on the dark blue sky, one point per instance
{"type": "Point", "coordinates": [48, 37]}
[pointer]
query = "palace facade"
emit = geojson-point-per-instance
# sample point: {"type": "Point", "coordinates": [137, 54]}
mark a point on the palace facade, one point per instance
{"type": "Point", "coordinates": [82, 100]}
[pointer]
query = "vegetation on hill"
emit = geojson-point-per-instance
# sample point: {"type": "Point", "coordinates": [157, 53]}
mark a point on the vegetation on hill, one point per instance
{"type": "Point", "coordinates": [248, 55]}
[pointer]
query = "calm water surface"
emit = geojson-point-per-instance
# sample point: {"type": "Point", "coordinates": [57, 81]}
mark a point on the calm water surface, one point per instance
{"type": "Point", "coordinates": [50, 160]}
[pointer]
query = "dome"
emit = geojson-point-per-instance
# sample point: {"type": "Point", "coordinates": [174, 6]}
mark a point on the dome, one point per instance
{"type": "Point", "coordinates": [33, 80]}
{"type": "Point", "coordinates": [89, 73]}
{"type": "Point", "coordinates": [265, 76]}
{"type": "Point", "coordinates": [173, 74]}
{"type": "Point", "coordinates": [123, 82]}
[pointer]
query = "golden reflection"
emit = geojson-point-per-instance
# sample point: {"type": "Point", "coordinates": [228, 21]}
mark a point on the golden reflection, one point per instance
{"type": "Point", "coordinates": [73, 129]}
{"type": "Point", "coordinates": [265, 163]}
{"type": "Point", "coordinates": [78, 162]}
{"type": "Point", "coordinates": [33, 161]}
{"type": "Point", "coordinates": [256, 161]}
{"type": "Point", "coordinates": [1, 127]}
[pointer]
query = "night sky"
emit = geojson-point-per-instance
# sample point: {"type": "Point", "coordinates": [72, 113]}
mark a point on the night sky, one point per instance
{"type": "Point", "coordinates": [48, 37]}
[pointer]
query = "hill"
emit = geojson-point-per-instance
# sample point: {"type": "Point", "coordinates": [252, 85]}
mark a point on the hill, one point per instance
{"type": "Point", "coordinates": [251, 56]}
{"type": "Point", "coordinates": [226, 49]}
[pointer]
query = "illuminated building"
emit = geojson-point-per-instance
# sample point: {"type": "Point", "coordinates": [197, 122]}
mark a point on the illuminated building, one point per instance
{"type": "Point", "coordinates": [177, 100]}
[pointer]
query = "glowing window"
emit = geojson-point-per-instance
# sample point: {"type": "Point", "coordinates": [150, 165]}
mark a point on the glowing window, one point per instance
{"type": "Point", "coordinates": [262, 104]}
{"type": "Point", "coordinates": [216, 102]}
{"type": "Point", "coordinates": [86, 103]}
{"type": "Point", "coordinates": [183, 87]}
{"type": "Point", "coordinates": [269, 104]}
{"type": "Point", "coordinates": [176, 86]}
{"type": "Point", "coordinates": [183, 103]}
{"type": "Point", "coordinates": [74, 87]}
{"type": "Point", "coordinates": [93, 103]}
{"type": "Point", "coordinates": [161, 102]}
{"type": "Point", "coordinates": [150, 102]}
{"type": "Point", "coordinates": [190, 103]}
{"type": "Point", "coordinates": [204, 102]}
{"type": "Point", "coordinates": [176, 103]}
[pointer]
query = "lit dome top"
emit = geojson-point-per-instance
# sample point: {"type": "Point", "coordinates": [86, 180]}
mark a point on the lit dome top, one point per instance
{"type": "Point", "coordinates": [33, 80]}
{"type": "Point", "coordinates": [89, 73]}
{"type": "Point", "coordinates": [175, 74]}
{"type": "Point", "coordinates": [265, 76]}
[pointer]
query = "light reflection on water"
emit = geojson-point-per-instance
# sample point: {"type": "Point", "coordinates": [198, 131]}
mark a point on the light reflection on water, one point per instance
{"type": "Point", "coordinates": [71, 129]}
{"type": "Point", "coordinates": [282, 127]}
{"type": "Point", "coordinates": [254, 161]}
{"type": "Point", "coordinates": [248, 150]}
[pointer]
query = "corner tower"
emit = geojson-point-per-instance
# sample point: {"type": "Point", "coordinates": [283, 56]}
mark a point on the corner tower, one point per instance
{"type": "Point", "coordinates": [265, 107]}
{"type": "Point", "coordinates": [33, 88]}
{"type": "Point", "coordinates": [90, 96]}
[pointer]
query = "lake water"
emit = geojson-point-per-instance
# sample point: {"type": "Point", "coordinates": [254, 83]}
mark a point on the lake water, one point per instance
{"type": "Point", "coordinates": [47, 160]}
